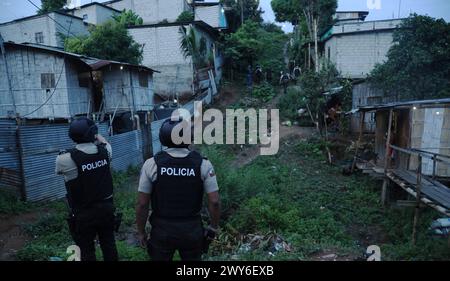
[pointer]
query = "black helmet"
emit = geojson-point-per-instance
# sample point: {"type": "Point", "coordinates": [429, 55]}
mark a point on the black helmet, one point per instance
{"type": "Point", "coordinates": [83, 130]}
{"type": "Point", "coordinates": [165, 133]}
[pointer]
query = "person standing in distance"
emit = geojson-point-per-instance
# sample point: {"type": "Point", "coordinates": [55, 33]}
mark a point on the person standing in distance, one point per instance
{"type": "Point", "coordinates": [87, 174]}
{"type": "Point", "coordinates": [174, 182]}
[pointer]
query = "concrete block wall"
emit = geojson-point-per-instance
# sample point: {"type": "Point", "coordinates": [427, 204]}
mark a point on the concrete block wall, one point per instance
{"type": "Point", "coordinates": [431, 132]}
{"type": "Point", "coordinates": [355, 54]}
{"type": "Point", "coordinates": [25, 69]}
{"type": "Point", "coordinates": [24, 31]}
{"type": "Point", "coordinates": [96, 14]}
{"type": "Point", "coordinates": [153, 11]}
{"type": "Point", "coordinates": [117, 90]}
{"type": "Point", "coordinates": [162, 52]}
{"type": "Point", "coordinates": [209, 14]}
{"type": "Point", "coordinates": [77, 27]}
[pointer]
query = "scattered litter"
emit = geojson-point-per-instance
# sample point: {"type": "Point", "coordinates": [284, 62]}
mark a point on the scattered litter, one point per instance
{"type": "Point", "coordinates": [329, 257]}
{"type": "Point", "coordinates": [287, 123]}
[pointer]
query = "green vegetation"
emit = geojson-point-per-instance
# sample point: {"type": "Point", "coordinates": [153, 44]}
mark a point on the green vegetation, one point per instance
{"type": "Point", "coordinates": [51, 5]}
{"type": "Point", "coordinates": [185, 16]}
{"type": "Point", "coordinates": [127, 18]}
{"type": "Point", "coordinates": [194, 46]}
{"type": "Point", "coordinates": [417, 66]}
{"type": "Point", "coordinates": [253, 44]}
{"type": "Point", "coordinates": [313, 207]}
{"type": "Point", "coordinates": [265, 92]}
{"type": "Point", "coordinates": [10, 204]}
{"type": "Point", "coordinates": [109, 41]}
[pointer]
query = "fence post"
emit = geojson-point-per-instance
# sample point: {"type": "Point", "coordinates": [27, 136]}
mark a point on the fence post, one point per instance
{"type": "Point", "coordinates": [361, 128]}
{"type": "Point", "coordinates": [418, 190]}
{"type": "Point", "coordinates": [384, 189]}
{"type": "Point", "coordinates": [23, 190]}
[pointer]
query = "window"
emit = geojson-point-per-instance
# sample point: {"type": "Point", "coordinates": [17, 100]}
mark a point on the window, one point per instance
{"type": "Point", "coordinates": [47, 80]}
{"type": "Point", "coordinates": [39, 37]}
{"type": "Point", "coordinates": [84, 79]}
{"type": "Point", "coordinates": [85, 17]}
{"type": "Point", "coordinates": [143, 79]}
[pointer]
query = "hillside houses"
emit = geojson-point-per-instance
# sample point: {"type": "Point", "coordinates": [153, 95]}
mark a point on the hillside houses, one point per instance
{"type": "Point", "coordinates": [355, 46]}
{"type": "Point", "coordinates": [47, 83]}
{"type": "Point", "coordinates": [45, 29]}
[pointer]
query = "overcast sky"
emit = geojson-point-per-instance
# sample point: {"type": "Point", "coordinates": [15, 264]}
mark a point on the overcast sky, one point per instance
{"type": "Point", "coordinates": [13, 9]}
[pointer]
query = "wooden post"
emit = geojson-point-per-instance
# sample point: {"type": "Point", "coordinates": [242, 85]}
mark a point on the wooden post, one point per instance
{"type": "Point", "coordinates": [434, 166]}
{"type": "Point", "coordinates": [384, 189]}
{"type": "Point", "coordinates": [361, 128]}
{"type": "Point", "coordinates": [418, 190]}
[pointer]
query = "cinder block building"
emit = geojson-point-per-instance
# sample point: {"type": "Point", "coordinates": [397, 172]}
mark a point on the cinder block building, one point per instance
{"type": "Point", "coordinates": [162, 51]}
{"type": "Point", "coordinates": [40, 82]}
{"type": "Point", "coordinates": [94, 13]}
{"type": "Point", "coordinates": [45, 29]}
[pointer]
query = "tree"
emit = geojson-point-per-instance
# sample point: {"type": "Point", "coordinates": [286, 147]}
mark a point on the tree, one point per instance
{"type": "Point", "coordinates": [109, 41]}
{"type": "Point", "coordinates": [316, 13]}
{"type": "Point", "coordinates": [193, 47]}
{"type": "Point", "coordinates": [255, 44]}
{"type": "Point", "coordinates": [185, 16]}
{"type": "Point", "coordinates": [418, 63]}
{"type": "Point", "coordinates": [236, 14]}
{"type": "Point", "coordinates": [51, 5]}
{"type": "Point", "coordinates": [128, 18]}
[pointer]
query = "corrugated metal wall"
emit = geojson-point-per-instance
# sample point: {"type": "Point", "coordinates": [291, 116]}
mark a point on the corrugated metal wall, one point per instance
{"type": "Point", "coordinates": [10, 176]}
{"type": "Point", "coordinates": [41, 145]}
{"type": "Point", "coordinates": [127, 150]}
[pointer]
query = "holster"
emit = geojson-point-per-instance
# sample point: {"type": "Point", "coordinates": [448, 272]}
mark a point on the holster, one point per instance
{"type": "Point", "coordinates": [208, 237]}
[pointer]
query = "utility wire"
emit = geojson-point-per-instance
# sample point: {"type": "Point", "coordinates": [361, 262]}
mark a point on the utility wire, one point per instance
{"type": "Point", "coordinates": [62, 26]}
{"type": "Point", "coordinates": [60, 73]}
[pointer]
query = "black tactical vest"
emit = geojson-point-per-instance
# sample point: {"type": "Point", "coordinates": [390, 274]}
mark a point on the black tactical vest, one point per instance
{"type": "Point", "coordinates": [177, 192]}
{"type": "Point", "coordinates": [94, 181]}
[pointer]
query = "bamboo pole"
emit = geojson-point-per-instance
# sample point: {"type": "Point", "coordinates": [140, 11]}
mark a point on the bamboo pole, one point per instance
{"type": "Point", "coordinates": [384, 189]}
{"type": "Point", "coordinates": [361, 128]}
{"type": "Point", "coordinates": [418, 190]}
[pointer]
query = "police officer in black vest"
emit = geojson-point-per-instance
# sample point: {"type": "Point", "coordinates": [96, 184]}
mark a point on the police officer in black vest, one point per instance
{"type": "Point", "coordinates": [86, 170]}
{"type": "Point", "coordinates": [174, 182]}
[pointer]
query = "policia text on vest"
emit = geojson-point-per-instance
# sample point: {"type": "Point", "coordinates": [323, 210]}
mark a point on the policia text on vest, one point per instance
{"type": "Point", "coordinates": [89, 185]}
{"type": "Point", "coordinates": [175, 181]}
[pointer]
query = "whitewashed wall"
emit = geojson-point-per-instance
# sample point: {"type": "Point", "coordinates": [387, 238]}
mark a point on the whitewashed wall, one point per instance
{"type": "Point", "coordinates": [25, 30]}
{"type": "Point", "coordinates": [96, 14]}
{"type": "Point", "coordinates": [25, 69]}
{"type": "Point", "coordinates": [154, 11]}
{"type": "Point", "coordinates": [355, 48]}
{"type": "Point", "coordinates": [117, 90]}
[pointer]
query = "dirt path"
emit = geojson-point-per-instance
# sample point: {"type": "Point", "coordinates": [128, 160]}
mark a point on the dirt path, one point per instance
{"type": "Point", "coordinates": [250, 153]}
{"type": "Point", "coordinates": [12, 236]}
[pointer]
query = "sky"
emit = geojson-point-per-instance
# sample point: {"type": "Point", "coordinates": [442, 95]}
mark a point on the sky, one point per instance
{"type": "Point", "coordinates": [387, 9]}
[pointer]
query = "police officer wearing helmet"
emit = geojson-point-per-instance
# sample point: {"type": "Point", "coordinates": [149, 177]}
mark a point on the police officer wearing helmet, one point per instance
{"type": "Point", "coordinates": [86, 171]}
{"type": "Point", "coordinates": [174, 182]}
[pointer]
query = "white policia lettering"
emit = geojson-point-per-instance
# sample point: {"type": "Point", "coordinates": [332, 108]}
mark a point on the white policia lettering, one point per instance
{"type": "Point", "coordinates": [95, 165]}
{"type": "Point", "coordinates": [184, 172]}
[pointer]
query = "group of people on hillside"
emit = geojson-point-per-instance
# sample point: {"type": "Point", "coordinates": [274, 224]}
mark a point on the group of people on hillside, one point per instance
{"type": "Point", "coordinates": [258, 75]}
